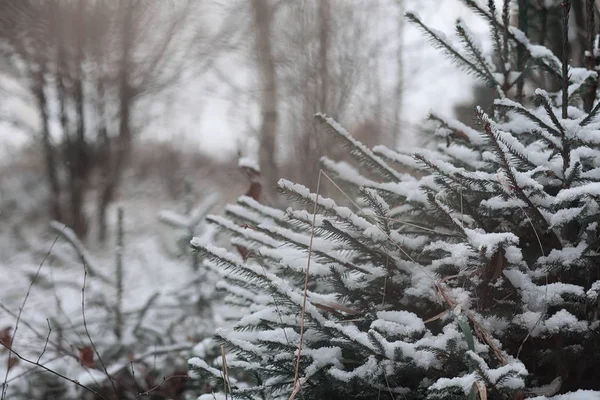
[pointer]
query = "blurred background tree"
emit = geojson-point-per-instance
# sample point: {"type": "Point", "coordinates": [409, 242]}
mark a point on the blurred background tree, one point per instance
{"type": "Point", "coordinates": [87, 66]}
{"type": "Point", "coordinates": [543, 22]}
{"type": "Point", "coordinates": [95, 71]}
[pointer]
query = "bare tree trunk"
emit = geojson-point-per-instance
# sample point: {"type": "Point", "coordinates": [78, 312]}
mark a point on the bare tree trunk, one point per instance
{"type": "Point", "coordinates": [579, 45]}
{"type": "Point", "coordinates": [397, 128]}
{"type": "Point", "coordinates": [116, 159]}
{"type": "Point", "coordinates": [49, 150]}
{"type": "Point", "coordinates": [589, 97]}
{"type": "Point", "coordinates": [103, 157]}
{"type": "Point", "coordinates": [80, 162]}
{"type": "Point", "coordinates": [268, 140]}
{"type": "Point", "coordinates": [316, 143]}
{"type": "Point", "coordinates": [324, 32]}
{"type": "Point", "coordinates": [78, 167]}
{"type": "Point", "coordinates": [116, 162]}
{"type": "Point", "coordinates": [371, 127]}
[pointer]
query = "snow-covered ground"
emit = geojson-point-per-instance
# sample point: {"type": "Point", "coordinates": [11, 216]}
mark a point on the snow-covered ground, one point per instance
{"type": "Point", "coordinates": [155, 278]}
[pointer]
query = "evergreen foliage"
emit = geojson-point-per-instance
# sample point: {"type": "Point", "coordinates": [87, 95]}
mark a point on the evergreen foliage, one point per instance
{"type": "Point", "coordinates": [471, 270]}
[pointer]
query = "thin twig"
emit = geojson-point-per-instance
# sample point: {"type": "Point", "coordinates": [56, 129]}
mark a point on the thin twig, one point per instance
{"type": "Point", "coordinates": [46, 342]}
{"type": "Point", "coordinates": [39, 334]}
{"type": "Point", "coordinates": [137, 394]}
{"type": "Point", "coordinates": [160, 384]}
{"type": "Point", "coordinates": [37, 274]}
{"type": "Point", "coordinates": [87, 332]}
{"type": "Point", "coordinates": [115, 368]}
{"type": "Point", "coordinates": [66, 378]}
{"type": "Point", "coordinates": [30, 370]}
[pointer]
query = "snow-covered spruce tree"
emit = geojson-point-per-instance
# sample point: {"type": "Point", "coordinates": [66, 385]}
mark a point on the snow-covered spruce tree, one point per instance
{"type": "Point", "coordinates": [475, 273]}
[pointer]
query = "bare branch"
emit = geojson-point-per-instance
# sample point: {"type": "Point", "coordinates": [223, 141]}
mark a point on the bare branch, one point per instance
{"type": "Point", "coordinates": [66, 378]}
{"type": "Point", "coordinates": [10, 345]}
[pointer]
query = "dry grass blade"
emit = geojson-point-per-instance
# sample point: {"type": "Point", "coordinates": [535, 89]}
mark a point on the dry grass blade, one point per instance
{"type": "Point", "coordinates": [306, 278]}
{"type": "Point", "coordinates": [226, 381]}
{"type": "Point", "coordinates": [336, 309]}
{"type": "Point", "coordinates": [436, 317]}
{"type": "Point", "coordinates": [480, 331]}
{"type": "Point", "coordinates": [480, 390]}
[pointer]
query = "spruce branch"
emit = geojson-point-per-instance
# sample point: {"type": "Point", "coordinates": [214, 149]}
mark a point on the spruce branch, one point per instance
{"type": "Point", "coordinates": [340, 171]}
{"type": "Point", "coordinates": [359, 151]}
{"type": "Point", "coordinates": [304, 243]}
{"type": "Point", "coordinates": [551, 142]}
{"type": "Point", "coordinates": [509, 105]}
{"type": "Point", "coordinates": [253, 235]}
{"type": "Point", "coordinates": [446, 212]}
{"type": "Point", "coordinates": [359, 209]}
{"type": "Point", "coordinates": [476, 53]}
{"type": "Point", "coordinates": [515, 150]}
{"type": "Point", "coordinates": [546, 59]}
{"type": "Point", "coordinates": [354, 243]}
{"type": "Point", "coordinates": [565, 152]}
{"type": "Point", "coordinates": [455, 178]}
{"type": "Point", "coordinates": [222, 257]}
{"type": "Point", "coordinates": [544, 99]}
{"type": "Point", "coordinates": [458, 130]}
{"type": "Point", "coordinates": [574, 175]}
{"type": "Point", "coordinates": [267, 212]}
{"type": "Point", "coordinates": [591, 116]}
{"type": "Point", "coordinates": [506, 167]}
{"type": "Point", "coordinates": [326, 206]}
{"type": "Point", "coordinates": [441, 43]}
{"type": "Point", "coordinates": [378, 204]}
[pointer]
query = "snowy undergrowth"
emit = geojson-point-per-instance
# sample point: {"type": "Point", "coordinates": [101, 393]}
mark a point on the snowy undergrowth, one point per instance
{"type": "Point", "coordinates": [165, 306]}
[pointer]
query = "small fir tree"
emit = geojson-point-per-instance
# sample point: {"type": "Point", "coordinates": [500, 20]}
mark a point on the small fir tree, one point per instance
{"type": "Point", "coordinates": [474, 272]}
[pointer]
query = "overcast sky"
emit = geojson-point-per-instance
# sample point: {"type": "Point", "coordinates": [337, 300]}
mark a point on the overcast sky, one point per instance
{"type": "Point", "coordinates": [202, 113]}
{"type": "Point", "coordinates": [432, 81]}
